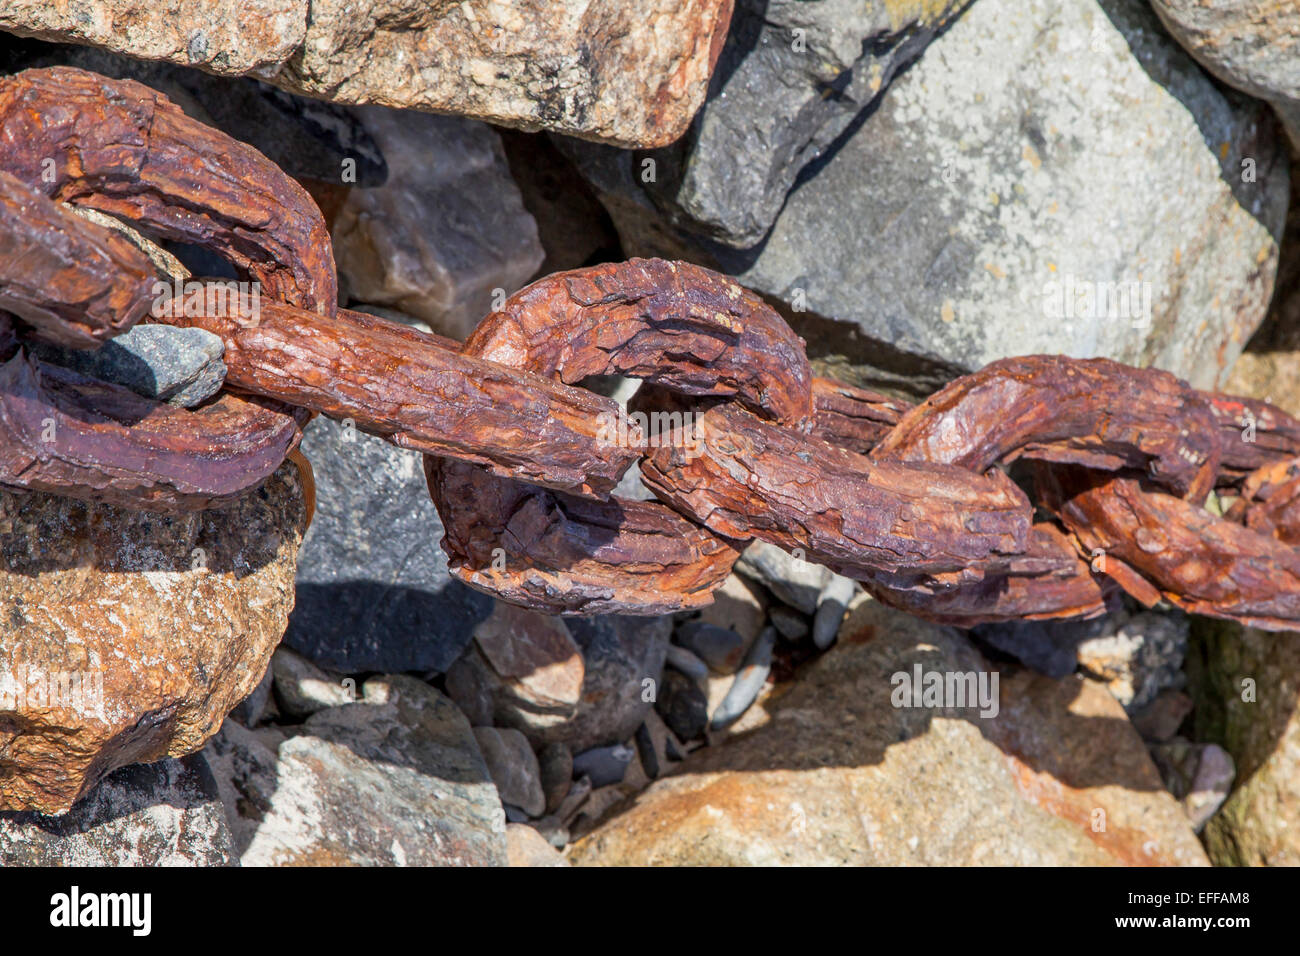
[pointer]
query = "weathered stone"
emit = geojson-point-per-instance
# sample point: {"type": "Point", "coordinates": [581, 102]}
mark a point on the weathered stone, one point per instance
{"type": "Point", "coordinates": [1013, 227]}
{"type": "Point", "coordinates": [683, 705]}
{"type": "Point", "coordinates": [657, 746]}
{"type": "Point", "coordinates": [748, 682]}
{"type": "Point", "coordinates": [628, 73]}
{"type": "Point", "coordinates": [789, 623]}
{"type": "Point", "coordinates": [179, 366]}
{"type": "Point", "coordinates": [393, 779]}
{"type": "Point", "coordinates": [791, 79]}
{"type": "Point", "coordinates": [526, 847]}
{"type": "Point", "coordinates": [1247, 695]}
{"type": "Point", "coordinates": [302, 688]}
{"type": "Point", "coordinates": [842, 775]}
{"type": "Point", "coordinates": [1137, 656]}
{"type": "Point", "coordinates": [738, 605]}
{"type": "Point", "coordinates": [555, 765]}
{"type": "Point", "coordinates": [539, 664]}
{"type": "Point", "coordinates": [160, 814]}
{"type": "Point", "coordinates": [221, 36]}
{"type": "Point", "coordinates": [604, 765]}
{"type": "Point", "coordinates": [128, 636]}
{"type": "Point", "coordinates": [682, 660]}
{"type": "Point", "coordinates": [513, 766]}
{"type": "Point", "coordinates": [1160, 719]}
{"type": "Point", "coordinates": [832, 603]}
{"type": "Point", "coordinates": [1254, 46]}
{"type": "Point", "coordinates": [1200, 775]}
{"type": "Point", "coordinates": [719, 648]}
{"type": "Point", "coordinates": [373, 590]}
{"type": "Point", "coordinates": [796, 582]}
{"type": "Point", "coordinates": [1049, 647]}
{"type": "Point", "coordinates": [446, 230]}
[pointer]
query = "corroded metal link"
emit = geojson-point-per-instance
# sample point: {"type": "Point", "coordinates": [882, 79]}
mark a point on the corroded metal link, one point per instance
{"type": "Point", "coordinates": [64, 433]}
{"type": "Point", "coordinates": [126, 150]}
{"type": "Point", "coordinates": [674, 325]}
{"type": "Point", "coordinates": [74, 282]}
{"type": "Point", "coordinates": [410, 388]}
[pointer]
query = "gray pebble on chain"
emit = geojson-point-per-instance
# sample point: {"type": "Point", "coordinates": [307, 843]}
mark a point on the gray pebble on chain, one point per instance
{"type": "Point", "coordinates": [831, 605]}
{"type": "Point", "coordinates": [749, 681]}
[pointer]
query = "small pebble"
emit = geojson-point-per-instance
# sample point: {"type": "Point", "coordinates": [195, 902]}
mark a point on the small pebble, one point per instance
{"type": "Point", "coordinates": [604, 765]}
{"type": "Point", "coordinates": [749, 681]}
{"type": "Point", "coordinates": [831, 605]}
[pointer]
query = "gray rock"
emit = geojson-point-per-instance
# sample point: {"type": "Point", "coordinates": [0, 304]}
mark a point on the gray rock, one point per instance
{"type": "Point", "coordinates": [1252, 46]}
{"type": "Point", "coordinates": [796, 582]}
{"type": "Point", "coordinates": [513, 766]}
{"type": "Point", "coordinates": [178, 366]}
{"type": "Point", "coordinates": [1138, 656]}
{"type": "Point", "coordinates": [658, 746]}
{"type": "Point", "coordinates": [252, 709]}
{"type": "Point", "coordinates": [683, 705]}
{"type": "Point", "coordinates": [721, 649]}
{"type": "Point", "coordinates": [394, 779]}
{"type": "Point", "coordinates": [624, 660]}
{"type": "Point", "coordinates": [1200, 775]}
{"type": "Point", "coordinates": [680, 659]}
{"type": "Point", "coordinates": [555, 764]}
{"type": "Point", "coordinates": [832, 603]}
{"type": "Point", "coordinates": [446, 230]}
{"type": "Point", "coordinates": [1049, 647]}
{"type": "Point", "coordinates": [373, 593]}
{"type": "Point", "coordinates": [302, 688]}
{"type": "Point", "coordinates": [739, 605]}
{"type": "Point", "coordinates": [604, 765]}
{"type": "Point", "coordinates": [1024, 126]}
{"type": "Point", "coordinates": [1160, 719]}
{"type": "Point", "coordinates": [748, 682]}
{"type": "Point", "coordinates": [159, 814]}
{"type": "Point", "coordinates": [789, 623]}
{"type": "Point", "coordinates": [791, 78]}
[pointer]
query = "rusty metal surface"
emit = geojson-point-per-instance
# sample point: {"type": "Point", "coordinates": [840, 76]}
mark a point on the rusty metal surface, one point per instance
{"type": "Point", "coordinates": [1136, 482]}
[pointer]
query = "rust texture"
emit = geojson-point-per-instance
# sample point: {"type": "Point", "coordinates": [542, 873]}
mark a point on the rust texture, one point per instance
{"type": "Point", "coordinates": [128, 151]}
{"type": "Point", "coordinates": [74, 282]}
{"type": "Point", "coordinates": [408, 387]}
{"type": "Point", "coordinates": [735, 437]}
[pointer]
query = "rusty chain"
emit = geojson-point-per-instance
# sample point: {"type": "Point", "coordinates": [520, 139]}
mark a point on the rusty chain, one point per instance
{"type": "Point", "coordinates": [1113, 465]}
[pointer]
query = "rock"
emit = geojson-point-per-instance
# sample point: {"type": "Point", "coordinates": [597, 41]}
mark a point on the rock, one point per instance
{"type": "Point", "coordinates": [537, 667]}
{"type": "Point", "coordinates": [1247, 694]}
{"type": "Point", "coordinates": [832, 604]}
{"type": "Point", "coordinates": [221, 36]}
{"type": "Point", "coordinates": [1200, 775]}
{"type": "Point", "coordinates": [513, 766]}
{"type": "Point", "coordinates": [842, 775]}
{"type": "Point", "coordinates": [302, 688]}
{"type": "Point", "coordinates": [572, 225]}
{"type": "Point", "coordinates": [128, 636]}
{"type": "Point", "coordinates": [526, 847]}
{"type": "Point", "coordinates": [252, 710]}
{"type": "Point", "coordinates": [628, 73]}
{"type": "Point", "coordinates": [604, 765]}
{"type": "Point", "coordinates": [373, 590]}
{"type": "Point", "coordinates": [748, 682]}
{"type": "Point", "coordinates": [790, 624]}
{"type": "Point", "coordinates": [555, 766]}
{"type": "Point", "coordinates": [680, 659]}
{"type": "Point", "coordinates": [393, 779]}
{"type": "Point", "coordinates": [624, 661]}
{"type": "Point", "coordinates": [1017, 207]}
{"type": "Point", "coordinates": [792, 77]}
{"type": "Point", "coordinates": [1138, 656]}
{"type": "Point", "coordinates": [1252, 46]}
{"type": "Point", "coordinates": [446, 230]}
{"type": "Point", "coordinates": [720, 649]}
{"type": "Point", "coordinates": [179, 366]}
{"type": "Point", "coordinates": [159, 814]}
{"type": "Point", "coordinates": [1160, 719]}
{"type": "Point", "coordinates": [1049, 647]}
{"type": "Point", "coordinates": [683, 705]}
{"type": "Point", "coordinates": [795, 582]}
{"type": "Point", "coordinates": [739, 606]}
{"type": "Point", "coordinates": [657, 746]}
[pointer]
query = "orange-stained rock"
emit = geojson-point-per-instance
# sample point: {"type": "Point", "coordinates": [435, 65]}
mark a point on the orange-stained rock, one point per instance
{"type": "Point", "coordinates": [126, 637]}
{"type": "Point", "coordinates": [839, 775]}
